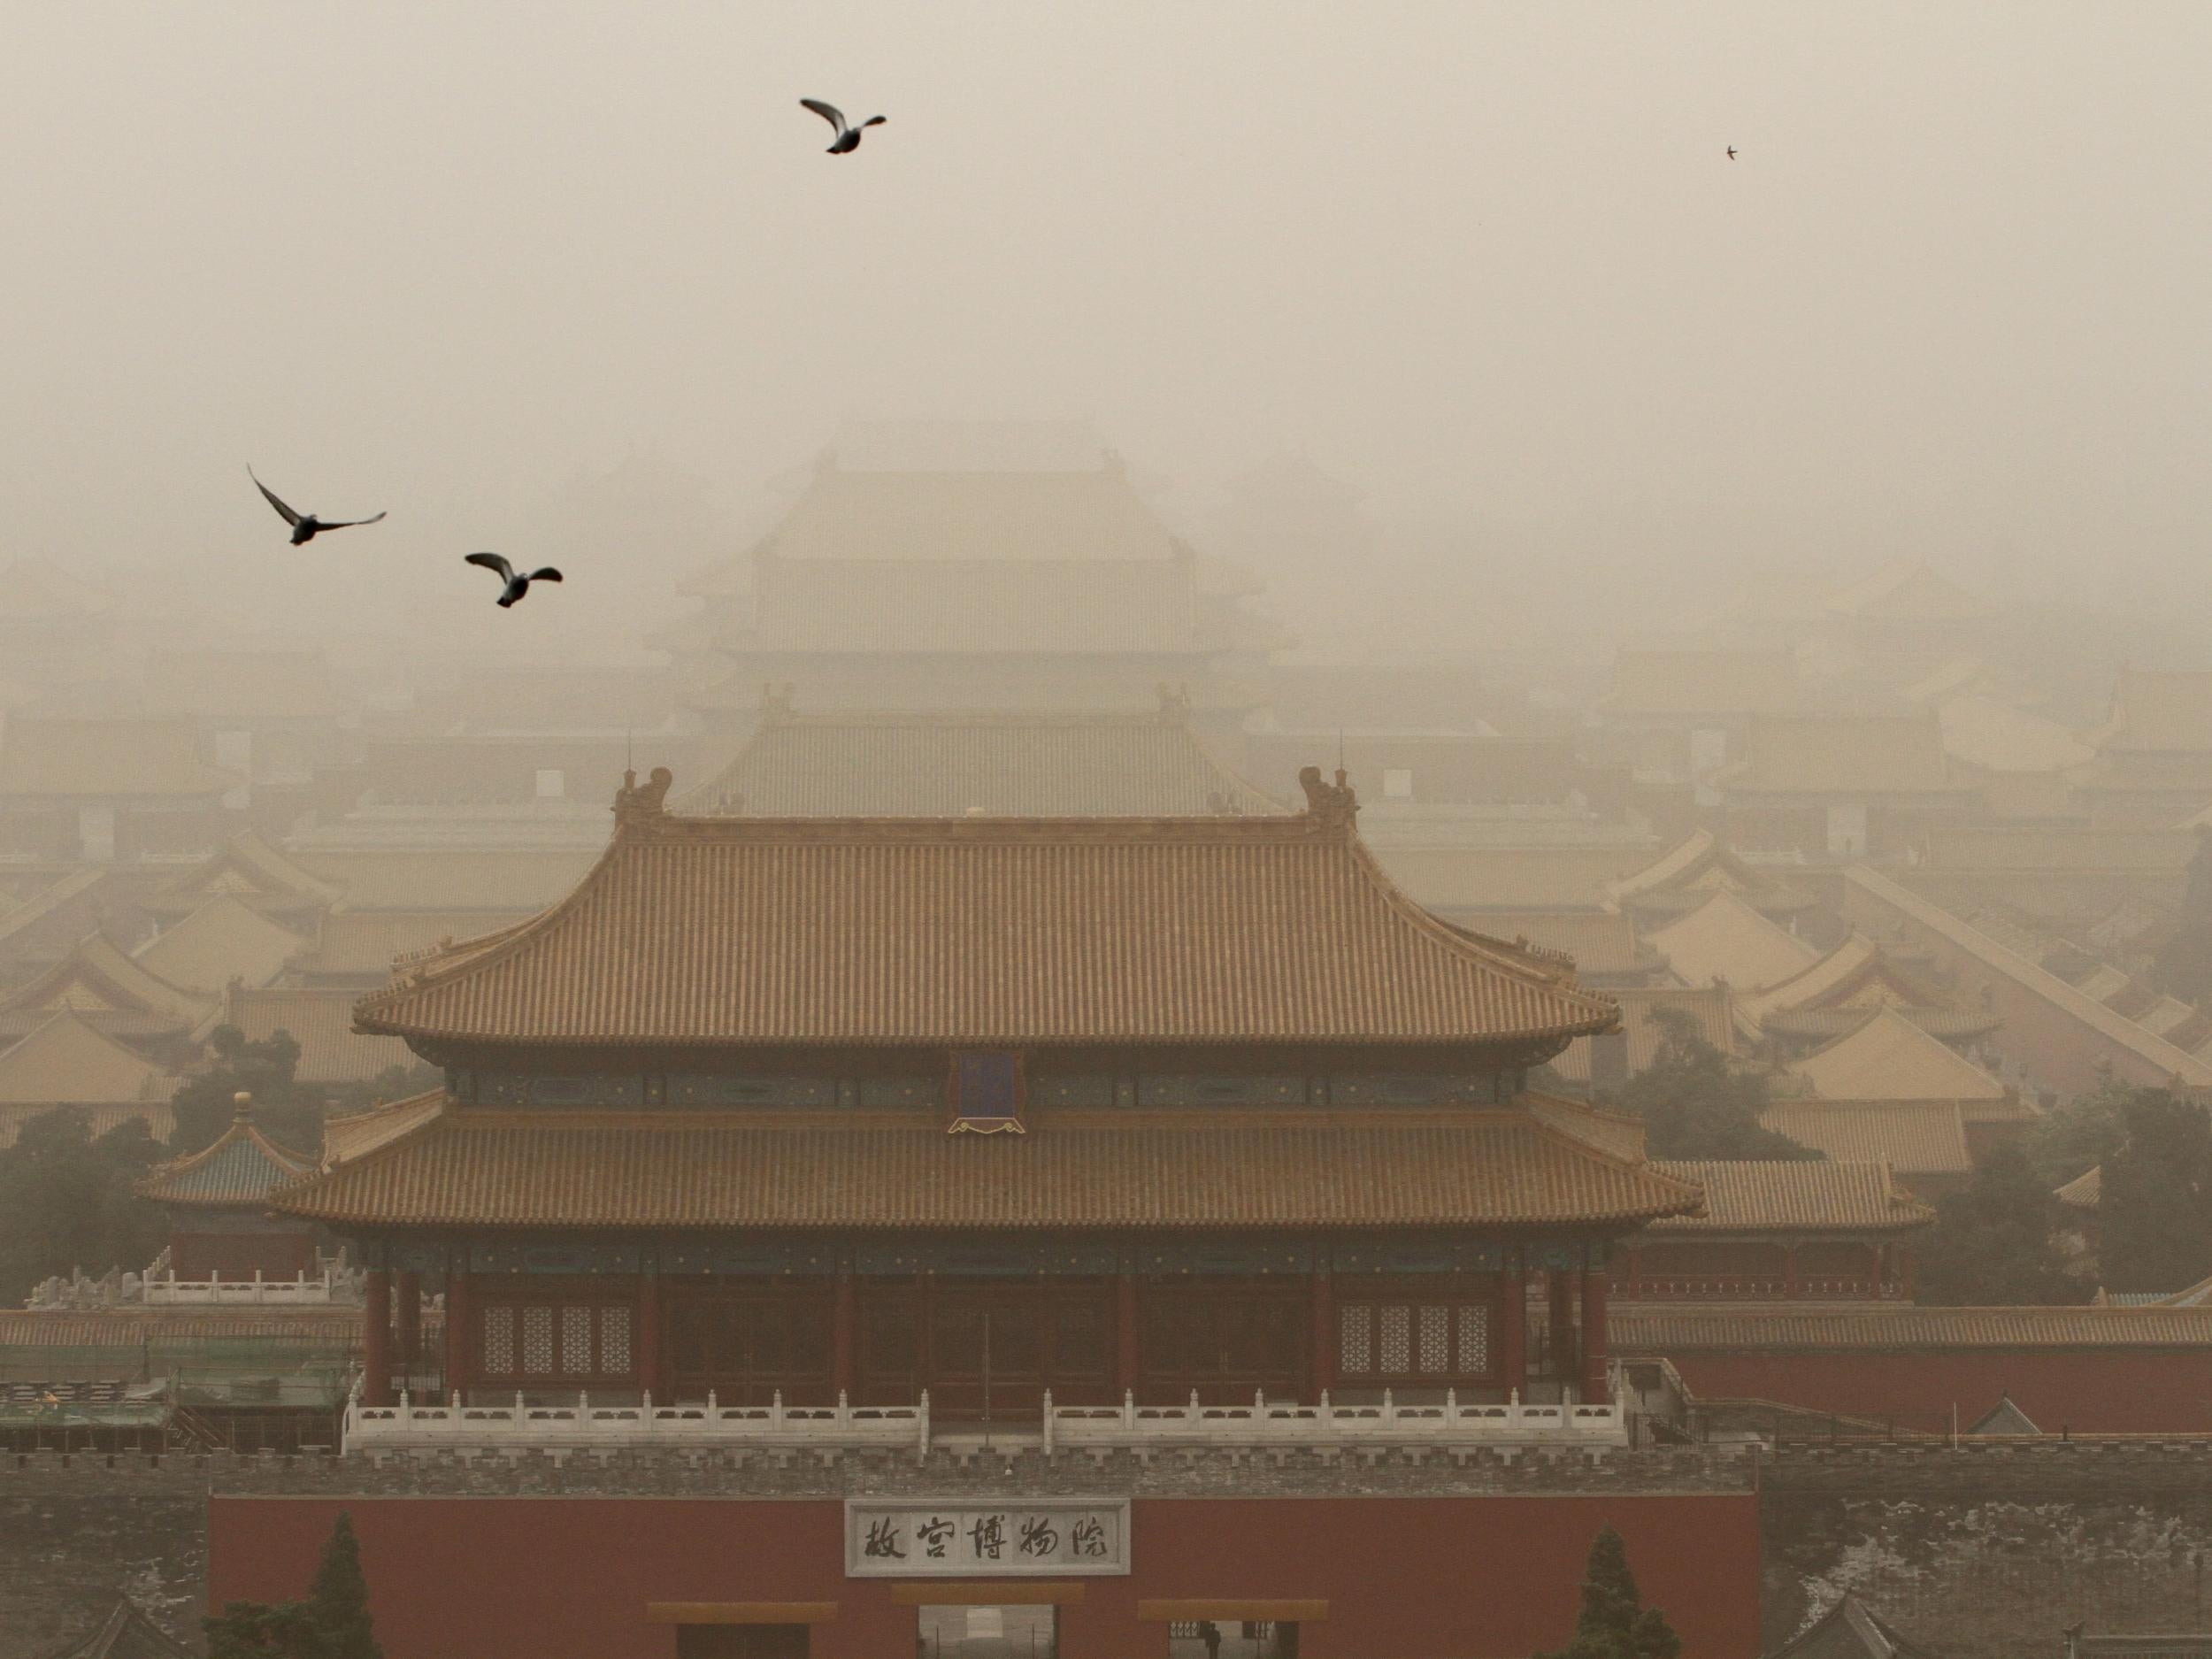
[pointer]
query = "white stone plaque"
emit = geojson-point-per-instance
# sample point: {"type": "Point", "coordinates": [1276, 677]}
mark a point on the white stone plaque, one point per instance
{"type": "Point", "coordinates": [910, 1538]}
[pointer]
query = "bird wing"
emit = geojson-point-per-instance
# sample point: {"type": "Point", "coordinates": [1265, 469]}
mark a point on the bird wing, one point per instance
{"type": "Point", "coordinates": [493, 562]}
{"type": "Point", "coordinates": [270, 495]}
{"type": "Point", "coordinates": [829, 113]}
{"type": "Point", "coordinates": [549, 574]}
{"type": "Point", "coordinates": [347, 523]}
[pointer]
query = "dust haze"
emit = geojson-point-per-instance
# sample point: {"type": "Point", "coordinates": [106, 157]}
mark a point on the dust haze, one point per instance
{"type": "Point", "coordinates": [1489, 269]}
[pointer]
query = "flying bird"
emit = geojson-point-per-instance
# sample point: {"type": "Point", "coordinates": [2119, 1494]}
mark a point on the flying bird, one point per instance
{"type": "Point", "coordinates": [305, 526]}
{"type": "Point", "coordinates": [1731, 152]}
{"type": "Point", "coordinates": [848, 139]}
{"type": "Point", "coordinates": [517, 584]}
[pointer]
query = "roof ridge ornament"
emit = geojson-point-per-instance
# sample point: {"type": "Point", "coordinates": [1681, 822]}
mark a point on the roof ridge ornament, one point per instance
{"type": "Point", "coordinates": [1174, 704]}
{"type": "Point", "coordinates": [637, 805]}
{"type": "Point", "coordinates": [1332, 808]}
{"type": "Point", "coordinates": [778, 705]}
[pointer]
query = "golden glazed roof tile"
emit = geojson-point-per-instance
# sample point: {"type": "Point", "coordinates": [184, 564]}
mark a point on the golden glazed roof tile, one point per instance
{"type": "Point", "coordinates": [1890, 1058]}
{"type": "Point", "coordinates": [1912, 1137]}
{"type": "Point", "coordinates": [978, 931]}
{"type": "Point", "coordinates": [1725, 939]}
{"type": "Point", "coordinates": [321, 1022]}
{"type": "Point", "coordinates": [1806, 1194]}
{"type": "Point", "coordinates": [793, 1170]}
{"type": "Point", "coordinates": [1660, 1328]}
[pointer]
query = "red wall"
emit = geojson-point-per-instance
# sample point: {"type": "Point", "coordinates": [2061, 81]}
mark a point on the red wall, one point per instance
{"type": "Point", "coordinates": [1483, 1578]}
{"type": "Point", "coordinates": [2094, 1392]}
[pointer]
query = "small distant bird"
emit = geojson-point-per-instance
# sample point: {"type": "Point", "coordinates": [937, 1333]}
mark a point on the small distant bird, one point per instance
{"type": "Point", "coordinates": [305, 528]}
{"type": "Point", "coordinates": [517, 584]}
{"type": "Point", "coordinates": [848, 139]}
{"type": "Point", "coordinates": [1731, 152]}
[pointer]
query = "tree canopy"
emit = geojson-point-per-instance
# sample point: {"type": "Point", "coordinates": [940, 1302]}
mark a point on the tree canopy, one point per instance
{"type": "Point", "coordinates": [287, 1110]}
{"type": "Point", "coordinates": [2154, 1202]}
{"type": "Point", "coordinates": [1994, 1244]}
{"type": "Point", "coordinates": [1694, 1104]}
{"type": "Point", "coordinates": [66, 1201]}
{"type": "Point", "coordinates": [1613, 1622]}
{"type": "Point", "coordinates": [331, 1622]}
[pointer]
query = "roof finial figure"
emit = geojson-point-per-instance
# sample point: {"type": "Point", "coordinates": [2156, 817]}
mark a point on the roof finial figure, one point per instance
{"type": "Point", "coordinates": [1331, 807]}
{"type": "Point", "coordinates": [242, 1104]}
{"type": "Point", "coordinates": [637, 803]}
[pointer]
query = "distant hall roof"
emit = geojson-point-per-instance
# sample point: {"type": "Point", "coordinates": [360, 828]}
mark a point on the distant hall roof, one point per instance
{"type": "Point", "coordinates": [1805, 1195]}
{"type": "Point", "coordinates": [944, 765]}
{"type": "Point", "coordinates": [1724, 939]}
{"type": "Point", "coordinates": [66, 1062]}
{"type": "Point", "coordinates": [1914, 1138]}
{"type": "Point", "coordinates": [933, 931]}
{"type": "Point", "coordinates": [1842, 754]}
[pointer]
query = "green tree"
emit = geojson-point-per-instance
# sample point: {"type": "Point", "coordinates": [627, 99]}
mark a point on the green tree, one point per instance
{"type": "Point", "coordinates": [2154, 1203]}
{"type": "Point", "coordinates": [331, 1623]}
{"type": "Point", "coordinates": [2083, 1133]}
{"type": "Point", "coordinates": [1694, 1104]}
{"type": "Point", "coordinates": [2182, 966]}
{"type": "Point", "coordinates": [66, 1201]}
{"type": "Point", "coordinates": [1993, 1244]}
{"type": "Point", "coordinates": [284, 1109]}
{"type": "Point", "coordinates": [1613, 1622]}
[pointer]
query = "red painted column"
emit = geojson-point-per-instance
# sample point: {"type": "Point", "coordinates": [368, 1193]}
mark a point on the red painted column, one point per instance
{"type": "Point", "coordinates": [456, 1334]}
{"type": "Point", "coordinates": [1593, 1378]}
{"type": "Point", "coordinates": [376, 1337]}
{"type": "Point", "coordinates": [407, 1303]}
{"type": "Point", "coordinates": [842, 1376]}
{"type": "Point", "coordinates": [1323, 1334]}
{"type": "Point", "coordinates": [1124, 1334]}
{"type": "Point", "coordinates": [648, 1335]}
{"type": "Point", "coordinates": [1513, 1327]}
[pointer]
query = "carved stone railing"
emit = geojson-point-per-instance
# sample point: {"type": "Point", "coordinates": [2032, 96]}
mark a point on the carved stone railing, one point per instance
{"type": "Point", "coordinates": [526, 1426]}
{"type": "Point", "coordinates": [324, 1289]}
{"type": "Point", "coordinates": [1451, 1422]}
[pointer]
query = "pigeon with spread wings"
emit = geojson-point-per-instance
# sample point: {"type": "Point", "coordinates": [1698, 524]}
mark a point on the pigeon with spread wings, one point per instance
{"type": "Point", "coordinates": [517, 584]}
{"type": "Point", "coordinates": [848, 139]}
{"type": "Point", "coordinates": [305, 526]}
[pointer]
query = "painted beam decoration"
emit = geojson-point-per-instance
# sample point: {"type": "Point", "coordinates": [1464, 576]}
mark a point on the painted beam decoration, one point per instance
{"type": "Point", "coordinates": [1054, 1537]}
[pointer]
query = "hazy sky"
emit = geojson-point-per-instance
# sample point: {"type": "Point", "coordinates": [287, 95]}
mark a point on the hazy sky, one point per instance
{"type": "Point", "coordinates": [1488, 262]}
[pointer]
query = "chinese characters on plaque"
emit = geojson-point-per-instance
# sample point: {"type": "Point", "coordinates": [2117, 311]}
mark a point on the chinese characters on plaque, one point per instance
{"type": "Point", "coordinates": [906, 1538]}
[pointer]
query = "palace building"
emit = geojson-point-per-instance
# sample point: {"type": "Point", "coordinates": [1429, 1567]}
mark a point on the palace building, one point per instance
{"type": "Point", "coordinates": [986, 1110]}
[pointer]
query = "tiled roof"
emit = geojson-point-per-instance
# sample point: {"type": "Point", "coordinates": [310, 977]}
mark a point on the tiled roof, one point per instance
{"type": "Point", "coordinates": [366, 943]}
{"type": "Point", "coordinates": [53, 756]}
{"type": "Point", "coordinates": [2084, 1191]}
{"type": "Point", "coordinates": [160, 1122]}
{"type": "Point", "coordinates": [321, 1022]}
{"type": "Point", "coordinates": [1618, 1134]}
{"type": "Point", "coordinates": [225, 939]}
{"type": "Point", "coordinates": [2169, 713]}
{"type": "Point", "coordinates": [2196, 1296]}
{"type": "Point", "coordinates": [66, 1062]}
{"type": "Point", "coordinates": [336, 1329]}
{"type": "Point", "coordinates": [51, 900]}
{"type": "Point", "coordinates": [1842, 754]}
{"type": "Point", "coordinates": [1849, 1630]}
{"type": "Point", "coordinates": [1913, 1137]}
{"type": "Point", "coordinates": [357, 1135]}
{"type": "Point", "coordinates": [1889, 1057]}
{"type": "Point", "coordinates": [1832, 996]}
{"type": "Point", "coordinates": [1147, 765]}
{"type": "Point", "coordinates": [1692, 872]}
{"type": "Point", "coordinates": [113, 993]}
{"type": "Point", "coordinates": [1711, 1011]}
{"type": "Point", "coordinates": [2125, 1032]}
{"type": "Point", "coordinates": [1654, 681]}
{"type": "Point", "coordinates": [985, 930]}
{"type": "Point", "coordinates": [937, 518]}
{"type": "Point", "coordinates": [1979, 846]}
{"type": "Point", "coordinates": [242, 1166]}
{"type": "Point", "coordinates": [448, 879]}
{"type": "Point", "coordinates": [2004, 1417]}
{"type": "Point", "coordinates": [900, 606]}
{"type": "Point", "coordinates": [803, 1169]}
{"type": "Point", "coordinates": [1996, 736]}
{"type": "Point", "coordinates": [1597, 941]}
{"type": "Point", "coordinates": [1725, 939]}
{"type": "Point", "coordinates": [1662, 1328]}
{"type": "Point", "coordinates": [215, 685]}
{"type": "Point", "coordinates": [126, 1633]}
{"type": "Point", "coordinates": [1805, 1195]}
{"type": "Point", "coordinates": [1909, 593]}
{"type": "Point", "coordinates": [251, 869]}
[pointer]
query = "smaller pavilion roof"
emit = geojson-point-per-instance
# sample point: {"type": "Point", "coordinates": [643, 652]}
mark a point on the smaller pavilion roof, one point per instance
{"type": "Point", "coordinates": [1914, 1138]}
{"type": "Point", "coordinates": [1855, 755]}
{"type": "Point", "coordinates": [126, 1633]}
{"type": "Point", "coordinates": [1889, 1057]}
{"type": "Point", "coordinates": [2196, 1296]}
{"type": "Point", "coordinates": [66, 1062]}
{"type": "Point", "coordinates": [2084, 1191]}
{"type": "Point", "coordinates": [225, 940]}
{"type": "Point", "coordinates": [1849, 1630]}
{"type": "Point", "coordinates": [1792, 1195]}
{"type": "Point", "coordinates": [242, 1166]}
{"type": "Point", "coordinates": [1688, 874]}
{"type": "Point", "coordinates": [1726, 941]}
{"type": "Point", "coordinates": [52, 757]}
{"type": "Point", "coordinates": [2004, 1417]}
{"type": "Point", "coordinates": [1835, 995]}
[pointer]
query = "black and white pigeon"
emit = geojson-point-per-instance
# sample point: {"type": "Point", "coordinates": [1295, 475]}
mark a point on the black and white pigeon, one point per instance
{"type": "Point", "coordinates": [517, 584]}
{"type": "Point", "coordinates": [848, 139]}
{"type": "Point", "coordinates": [305, 526]}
